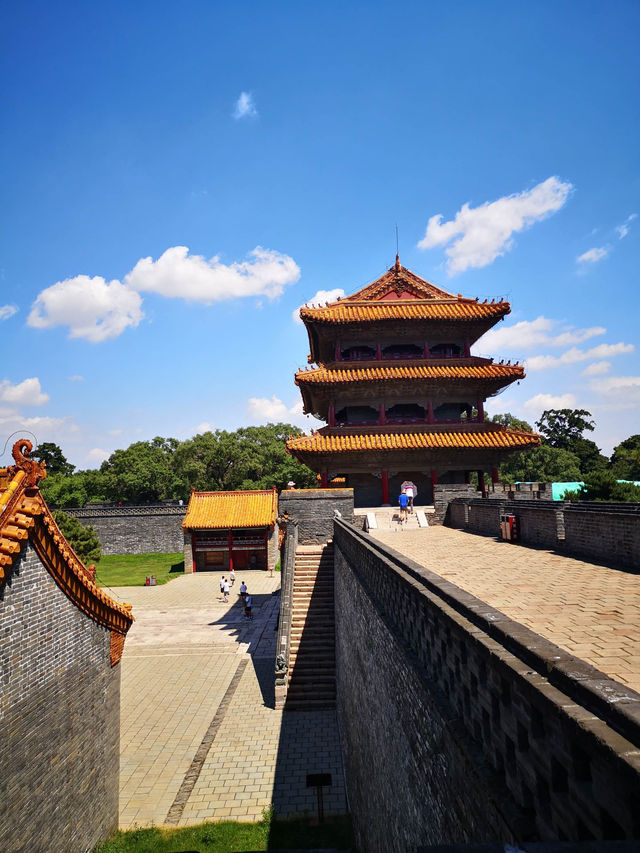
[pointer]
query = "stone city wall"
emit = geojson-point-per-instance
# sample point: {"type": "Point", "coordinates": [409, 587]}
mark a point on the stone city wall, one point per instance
{"type": "Point", "coordinates": [135, 529]}
{"type": "Point", "coordinates": [594, 531]}
{"type": "Point", "coordinates": [60, 718]}
{"type": "Point", "coordinates": [314, 510]}
{"type": "Point", "coordinates": [459, 725]}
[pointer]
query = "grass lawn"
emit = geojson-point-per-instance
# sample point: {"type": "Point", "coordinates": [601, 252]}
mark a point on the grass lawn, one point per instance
{"type": "Point", "coordinates": [132, 569]}
{"type": "Point", "coordinates": [230, 837]}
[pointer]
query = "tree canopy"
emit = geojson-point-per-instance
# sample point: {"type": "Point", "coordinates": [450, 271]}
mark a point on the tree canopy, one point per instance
{"type": "Point", "coordinates": [83, 539]}
{"type": "Point", "coordinates": [510, 421]}
{"type": "Point", "coordinates": [54, 458]}
{"type": "Point", "coordinates": [543, 464]}
{"type": "Point", "coordinates": [625, 459]}
{"type": "Point", "coordinates": [559, 427]}
{"type": "Point", "coordinates": [565, 428]}
{"type": "Point", "coordinates": [164, 468]}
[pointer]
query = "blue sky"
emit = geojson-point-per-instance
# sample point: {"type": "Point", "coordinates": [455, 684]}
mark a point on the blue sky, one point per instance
{"type": "Point", "coordinates": [179, 178]}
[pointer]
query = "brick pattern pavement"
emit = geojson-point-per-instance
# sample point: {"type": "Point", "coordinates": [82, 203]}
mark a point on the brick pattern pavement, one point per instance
{"type": "Point", "coordinates": [590, 610]}
{"type": "Point", "coordinates": [180, 658]}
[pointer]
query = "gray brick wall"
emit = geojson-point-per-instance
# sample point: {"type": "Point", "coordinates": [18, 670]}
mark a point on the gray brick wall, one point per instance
{"type": "Point", "coordinates": [601, 532]}
{"type": "Point", "coordinates": [135, 529]}
{"type": "Point", "coordinates": [59, 717]}
{"type": "Point", "coordinates": [313, 509]}
{"type": "Point", "coordinates": [459, 724]}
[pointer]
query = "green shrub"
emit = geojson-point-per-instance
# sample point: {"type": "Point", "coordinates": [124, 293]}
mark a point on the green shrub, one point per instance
{"type": "Point", "coordinates": [83, 540]}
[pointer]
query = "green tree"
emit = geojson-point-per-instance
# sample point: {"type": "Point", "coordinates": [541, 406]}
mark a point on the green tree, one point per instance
{"type": "Point", "coordinates": [625, 459]}
{"type": "Point", "coordinates": [564, 428]}
{"type": "Point", "coordinates": [54, 458]}
{"type": "Point", "coordinates": [603, 486]}
{"type": "Point", "coordinates": [541, 465]}
{"type": "Point", "coordinates": [249, 458]}
{"type": "Point", "coordinates": [60, 491]}
{"type": "Point", "coordinates": [510, 421]}
{"type": "Point", "coordinates": [143, 472]}
{"type": "Point", "coordinates": [559, 427]}
{"type": "Point", "coordinates": [83, 539]}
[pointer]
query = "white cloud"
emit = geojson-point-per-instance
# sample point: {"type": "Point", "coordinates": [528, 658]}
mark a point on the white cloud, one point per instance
{"type": "Point", "coordinates": [575, 355]}
{"type": "Point", "coordinates": [245, 106]}
{"type": "Point", "coordinates": [204, 427]}
{"type": "Point", "coordinates": [76, 378]}
{"type": "Point", "coordinates": [320, 298]}
{"type": "Point", "coordinates": [192, 277]}
{"type": "Point", "coordinates": [535, 333]}
{"type": "Point", "coordinates": [96, 310]}
{"type": "Point", "coordinates": [263, 409]}
{"type": "Point", "coordinates": [598, 368]}
{"type": "Point", "coordinates": [477, 236]}
{"type": "Point", "coordinates": [92, 308]}
{"type": "Point", "coordinates": [623, 230]}
{"type": "Point", "coordinates": [620, 392]}
{"type": "Point", "coordinates": [548, 401]}
{"type": "Point", "coordinates": [97, 454]}
{"type": "Point", "coordinates": [7, 311]}
{"type": "Point", "coordinates": [25, 393]}
{"type": "Point", "coordinates": [592, 256]}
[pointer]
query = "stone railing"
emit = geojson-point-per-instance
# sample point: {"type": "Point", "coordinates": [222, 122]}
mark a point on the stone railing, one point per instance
{"type": "Point", "coordinates": [489, 730]}
{"type": "Point", "coordinates": [283, 645]}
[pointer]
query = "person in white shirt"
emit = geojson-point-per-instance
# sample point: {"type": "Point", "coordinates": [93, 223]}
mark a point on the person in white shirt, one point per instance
{"type": "Point", "coordinates": [248, 603]}
{"type": "Point", "coordinates": [225, 590]}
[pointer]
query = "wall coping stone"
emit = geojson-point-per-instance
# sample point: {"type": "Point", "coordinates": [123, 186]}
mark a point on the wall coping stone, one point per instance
{"type": "Point", "coordinates": [616, 704]}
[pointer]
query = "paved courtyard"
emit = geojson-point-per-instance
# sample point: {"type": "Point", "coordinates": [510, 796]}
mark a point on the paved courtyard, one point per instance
{"type": "Point", "coordinates": [590, 610]}
{"type": "Point", "coordinates": [200, 738]}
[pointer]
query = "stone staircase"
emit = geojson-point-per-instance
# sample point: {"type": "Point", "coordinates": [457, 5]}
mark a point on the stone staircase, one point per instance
{"type": "Point", "coordinates": [388, 518]}
{"type": "Point", "coordinates": [312, 664]}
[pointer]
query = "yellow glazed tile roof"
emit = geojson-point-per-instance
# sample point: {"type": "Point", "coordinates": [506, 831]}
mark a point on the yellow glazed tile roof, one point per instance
{"type": "Point", "coordinates": [223, 510]}
{"type": "Point", "coordinates": [24, 516]}
{"type": "Point", "coordinates": [461, 369]}
{"type": "Point", "coordinates": [457, 309]}
{"type": "Point", "coordinates": [480, 437]}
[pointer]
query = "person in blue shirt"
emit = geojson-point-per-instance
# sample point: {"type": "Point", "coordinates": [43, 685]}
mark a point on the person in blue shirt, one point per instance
{"type": "Point", "coordinates": [403, 500]}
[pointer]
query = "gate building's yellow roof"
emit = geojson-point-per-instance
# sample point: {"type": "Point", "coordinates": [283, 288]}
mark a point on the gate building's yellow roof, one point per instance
{"type": "Point", "coordinates": [224, 510]}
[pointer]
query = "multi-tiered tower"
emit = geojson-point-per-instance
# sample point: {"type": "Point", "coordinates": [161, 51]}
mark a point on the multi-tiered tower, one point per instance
{"type": "Point", "coordinates": [400, 391]}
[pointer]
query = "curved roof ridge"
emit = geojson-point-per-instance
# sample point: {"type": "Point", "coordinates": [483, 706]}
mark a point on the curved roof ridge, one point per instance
{"type": "Point", "coordinates": [25, 516]}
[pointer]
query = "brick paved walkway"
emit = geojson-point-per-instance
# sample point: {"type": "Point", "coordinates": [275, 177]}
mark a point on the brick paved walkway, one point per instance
{"type": "Point", "coordinates": [197, 693]}
{"type": "Point", "coordinates": [588, 609]}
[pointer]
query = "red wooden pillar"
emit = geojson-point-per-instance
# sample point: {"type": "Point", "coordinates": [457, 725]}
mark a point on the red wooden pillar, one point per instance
{"type": "Point", "coordinates": [338, 351]}
{"type": "Point", "coordinates": [467, 349]}
{"type": "Point", "coordinates": [495, 476]}
{"type": "Point", "coordinates": [230, 546]}
{"type": "Point", "coordinates": [430, 416]}
{"type": "Point", "coordinates": [379, 352]}
{"type": "Point", "coordinates": [467, 477]}
{"type": "Point", "coordinates": [425, 351]}
{"type": "Point", "coordinates": [480, 411]}
{"type": "Point", "coordinates": [332, 415]}
{"type": "Point", "coordinates": [382, 414]}
{"type": "Point", "coordinates": [481, 484]}
{"type": "Point", "coordinates": [324, 480]}
{"type": "Point", "coordinates": [385, 488]}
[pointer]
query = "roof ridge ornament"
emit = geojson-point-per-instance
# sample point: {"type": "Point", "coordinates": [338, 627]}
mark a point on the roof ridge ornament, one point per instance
{"type": "Point", "coordinates": [34, 470]}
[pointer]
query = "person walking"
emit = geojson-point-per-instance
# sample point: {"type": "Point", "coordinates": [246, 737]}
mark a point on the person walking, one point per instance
{"type": "Point", "coordinates": [232, 577]}
{"type": "Point", "coordinates": [243, 591]}
{"type": "Point", "coordinates": [248, 604]}
{"type": "Point", "coordinates": [222, 587]}
{"type": "Point", "coordinates": [403, 500]}
{"type": "Point", "coordinates": [225, 591]}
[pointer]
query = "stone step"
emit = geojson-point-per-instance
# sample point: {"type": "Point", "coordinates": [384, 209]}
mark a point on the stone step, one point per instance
{"type": "Point", "coordinates": [310, 705]}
